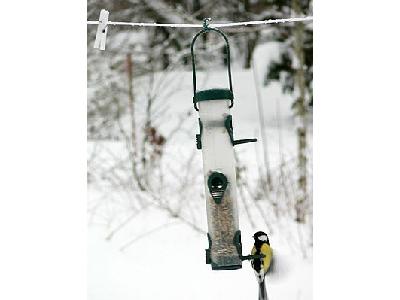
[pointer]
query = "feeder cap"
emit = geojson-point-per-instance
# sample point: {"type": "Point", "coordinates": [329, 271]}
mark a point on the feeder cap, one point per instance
{"type": "Point", "coordinates": [213, 94]}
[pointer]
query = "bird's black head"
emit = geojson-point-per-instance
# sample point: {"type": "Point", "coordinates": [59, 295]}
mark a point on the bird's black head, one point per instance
{"type": "Point", "coordinates": [261, 237]}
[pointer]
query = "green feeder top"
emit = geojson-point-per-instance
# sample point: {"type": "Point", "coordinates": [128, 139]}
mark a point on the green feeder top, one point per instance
{"type": "Point", "coordinates": [211, 94]}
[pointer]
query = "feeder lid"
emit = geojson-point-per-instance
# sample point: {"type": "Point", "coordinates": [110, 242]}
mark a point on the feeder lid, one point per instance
{"type": "Point", "coordinates": [213, 94]}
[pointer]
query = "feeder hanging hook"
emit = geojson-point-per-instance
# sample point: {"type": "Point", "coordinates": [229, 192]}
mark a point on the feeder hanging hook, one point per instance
{"type": "Point", "coordinates": [206, 22]}
{"type": "Point", "coordinates": [227, 93]}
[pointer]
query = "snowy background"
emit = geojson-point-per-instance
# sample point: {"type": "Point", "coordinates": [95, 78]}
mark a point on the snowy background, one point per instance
{"type": "Point", "coordinates": [146, 210]}
{"type": "Point", "coordinates": [43, 215]}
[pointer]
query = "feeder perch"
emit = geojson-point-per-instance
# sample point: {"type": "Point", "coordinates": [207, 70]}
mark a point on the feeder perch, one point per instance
{"type": "Point", "coordinates": [216, 142]}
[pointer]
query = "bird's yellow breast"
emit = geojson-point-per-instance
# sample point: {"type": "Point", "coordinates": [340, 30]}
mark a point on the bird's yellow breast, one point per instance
{"type": "Point", "coordinates": [267, 251]}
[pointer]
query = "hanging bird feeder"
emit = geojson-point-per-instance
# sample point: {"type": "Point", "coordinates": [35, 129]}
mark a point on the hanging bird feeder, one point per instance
{"type": "Point", "coordinates": [216, 142]}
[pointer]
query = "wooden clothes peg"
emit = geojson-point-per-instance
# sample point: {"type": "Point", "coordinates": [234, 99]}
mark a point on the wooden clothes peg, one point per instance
{"type": "Point", "coordinates": [101, 34]}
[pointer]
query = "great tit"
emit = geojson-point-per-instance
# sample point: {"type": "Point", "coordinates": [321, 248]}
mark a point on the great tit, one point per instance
{"type": "Point", "coordinates": [261, 265]}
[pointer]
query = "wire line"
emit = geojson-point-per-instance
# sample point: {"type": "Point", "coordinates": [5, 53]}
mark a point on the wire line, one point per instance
{"type": "Point", "coordinates": [217, 25]}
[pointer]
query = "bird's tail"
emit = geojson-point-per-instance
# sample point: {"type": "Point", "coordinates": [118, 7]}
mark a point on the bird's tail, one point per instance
{"type": "Point", "coordinates": [262, 291]}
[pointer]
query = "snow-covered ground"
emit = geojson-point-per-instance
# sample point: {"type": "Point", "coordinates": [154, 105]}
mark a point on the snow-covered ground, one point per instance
{"type": "Point", "coordinates": [170, 264]}
{"type": "Point", "coordinates": [169, 261]}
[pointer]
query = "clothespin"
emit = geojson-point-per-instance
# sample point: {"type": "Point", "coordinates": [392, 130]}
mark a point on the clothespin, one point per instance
{"type": "Point", "coordinates": [101, 34]}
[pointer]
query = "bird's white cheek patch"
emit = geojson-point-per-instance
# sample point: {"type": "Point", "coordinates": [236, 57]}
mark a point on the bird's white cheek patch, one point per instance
{"type": "Point", "coordinates": [263, 238]}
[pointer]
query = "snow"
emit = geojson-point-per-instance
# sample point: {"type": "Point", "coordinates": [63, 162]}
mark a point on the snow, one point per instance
{"type": "Point", "coordinates": [169, 263]}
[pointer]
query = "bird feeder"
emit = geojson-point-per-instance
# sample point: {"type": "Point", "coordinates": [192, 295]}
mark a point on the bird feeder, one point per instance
{"type": "Point", "coordinates": [216, 142]}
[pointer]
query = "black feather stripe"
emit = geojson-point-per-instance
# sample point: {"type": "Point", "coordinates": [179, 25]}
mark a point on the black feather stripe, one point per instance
{"type": "Point", "coordinates": [262, 292]}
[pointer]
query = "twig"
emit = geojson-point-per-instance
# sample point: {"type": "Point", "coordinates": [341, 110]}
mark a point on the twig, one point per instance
{"type": "Point", "coordinates": [146, 234]}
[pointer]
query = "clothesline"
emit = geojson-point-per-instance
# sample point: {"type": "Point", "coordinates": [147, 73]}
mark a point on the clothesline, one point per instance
{"type": "Point", "coordinates": [103, 23]}
{"type": "Point", "coordinates": [215, 25]}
